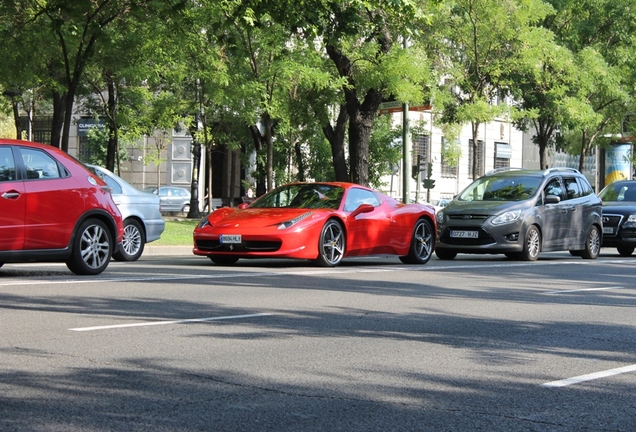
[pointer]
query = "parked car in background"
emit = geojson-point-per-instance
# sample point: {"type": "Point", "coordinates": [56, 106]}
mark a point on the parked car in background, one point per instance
{"type": "Point", "coordinates": [521, 213]}
{"type": "Point", "coordinates": [173, 198]}
{"type": "Point", "coordinates": [619, 216]}
{"type": "Point", "coordinates": [53, 209]}
{"type": "Point", "coordinates": [140, 211]}
{"type": "Point", "coordinates": [322, 222]}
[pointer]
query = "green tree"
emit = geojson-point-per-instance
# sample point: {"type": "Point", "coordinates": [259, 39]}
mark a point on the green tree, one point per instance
{"type": "Point", "coordinates": [479, 43]}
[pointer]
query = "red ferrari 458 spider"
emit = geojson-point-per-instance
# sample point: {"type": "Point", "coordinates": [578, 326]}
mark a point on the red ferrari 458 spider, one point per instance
{"type": "Point", "coordinates": [324, 222]}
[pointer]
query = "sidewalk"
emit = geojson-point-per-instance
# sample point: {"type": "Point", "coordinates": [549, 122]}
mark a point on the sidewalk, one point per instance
{"type": "Point", "coordinates": [154, 250]}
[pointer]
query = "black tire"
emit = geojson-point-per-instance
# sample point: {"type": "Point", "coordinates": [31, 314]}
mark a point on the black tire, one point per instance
{"type": "Point", "coordinates": [422, 243]}
{"type": "Point", "coordinates": [331, 244]}
{"type": "Point", "coordinates": [531, 244]}
{"type": "Point", "coordinates": [224, 259]}
{"type": "Point", "coordinates": [625, 250]}
{"type": "Point", "coordinates": [592, 243]}
{"type": "Point", "coordinates": [133, 242]}
{"type": "Point", "coordinates": [444, 254]}
{"type": "Point", "coordinates": [186, 208]}
{"type": "Point", "coordinates": [92, 248]}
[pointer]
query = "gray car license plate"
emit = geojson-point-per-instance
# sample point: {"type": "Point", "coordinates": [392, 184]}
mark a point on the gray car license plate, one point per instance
{"type": "Point", "coordinates": [464, 234]}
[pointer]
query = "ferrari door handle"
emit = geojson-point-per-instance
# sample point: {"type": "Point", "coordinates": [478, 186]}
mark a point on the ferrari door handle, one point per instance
{"type": "Point", "coordinates": [10, 195]}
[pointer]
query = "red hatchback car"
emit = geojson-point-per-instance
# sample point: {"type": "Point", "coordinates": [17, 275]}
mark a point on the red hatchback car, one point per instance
{"type": "Point", "coordinates": [53, 209]}
{"type": "Point", "coordinates": [322, 222]}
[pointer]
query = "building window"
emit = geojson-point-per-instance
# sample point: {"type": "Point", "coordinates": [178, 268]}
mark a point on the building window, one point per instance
{"type": "Point", "coordinates": [448, 170]}
{"type": "Point", "coordinates": [480, 159]}
{"type": "Point", "coordinates": [503, 153]}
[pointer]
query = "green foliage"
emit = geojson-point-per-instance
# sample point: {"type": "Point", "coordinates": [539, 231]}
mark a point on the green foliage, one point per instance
{"type": "Point", "coordinates": [385, 149]}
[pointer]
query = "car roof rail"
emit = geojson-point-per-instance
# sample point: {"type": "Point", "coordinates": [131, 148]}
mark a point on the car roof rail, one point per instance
{"type": "Point", "coordinates": [502, 169]}
{"type": "Point", "coordinates": [555, 169]}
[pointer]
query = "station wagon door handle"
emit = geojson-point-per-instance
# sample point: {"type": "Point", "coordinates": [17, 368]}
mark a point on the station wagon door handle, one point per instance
{"type": "Point", "coordinates": [11, 194]}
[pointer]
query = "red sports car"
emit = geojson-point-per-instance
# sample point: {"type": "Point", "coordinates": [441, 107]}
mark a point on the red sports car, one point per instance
{"type": "Point", "coordinates": [324, 222]}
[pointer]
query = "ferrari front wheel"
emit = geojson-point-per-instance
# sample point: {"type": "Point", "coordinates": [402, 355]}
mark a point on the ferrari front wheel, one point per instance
{"type": "Point", "coordinates": [331, 244]}
{"type": "Point", "coordinates": [422, 244]}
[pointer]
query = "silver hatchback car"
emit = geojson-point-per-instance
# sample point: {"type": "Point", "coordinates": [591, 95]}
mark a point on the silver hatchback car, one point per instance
{"type": "Point", "coordinates": [521, 213]}
{"type": "Point", "coordinates": [140, 211]}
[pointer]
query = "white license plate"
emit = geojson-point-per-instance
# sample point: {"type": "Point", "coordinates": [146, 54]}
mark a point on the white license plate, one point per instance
{"type": "Point", "coordinates": [231, 238]}
{"type": "Point", "coordinates": [608, 230]}
{"type": "Point", "coordinates": [464, 234]}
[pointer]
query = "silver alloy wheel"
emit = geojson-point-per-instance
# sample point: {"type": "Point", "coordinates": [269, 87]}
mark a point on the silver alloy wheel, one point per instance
{"type": "Point", "coordinates": [95, 246]}
{"type": "Point", "coordinates": [331, 244]}
{"type": "Point", "coordinates": [533, 244]}
{"type": "Point", "coordinates": [592, 243]}
{"type": "Point", "coordinates": [92, 248]}
{"type": "Point", "coordinates": [132, 243]}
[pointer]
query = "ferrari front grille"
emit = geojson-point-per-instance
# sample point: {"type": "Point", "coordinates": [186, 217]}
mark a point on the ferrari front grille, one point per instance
{"type": "Point", "coordinates": [246, 246]}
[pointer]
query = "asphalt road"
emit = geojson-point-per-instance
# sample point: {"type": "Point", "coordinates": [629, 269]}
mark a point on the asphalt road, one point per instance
{"type": "Point", "coordinates": [175, 343]}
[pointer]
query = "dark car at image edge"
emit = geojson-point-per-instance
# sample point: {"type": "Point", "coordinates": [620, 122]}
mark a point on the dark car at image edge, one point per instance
{"type": "Point", "coordinates": [619, 216]}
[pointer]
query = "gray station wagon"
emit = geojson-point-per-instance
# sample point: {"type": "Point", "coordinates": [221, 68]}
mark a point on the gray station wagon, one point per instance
{"type": "Point", "coordinates": [521, 213]}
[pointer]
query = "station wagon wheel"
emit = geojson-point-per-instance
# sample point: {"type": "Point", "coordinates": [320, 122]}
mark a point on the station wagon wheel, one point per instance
{"type": "Point", "coordinates": [224, 259]}
{"type": "Point", "coordinates": [331, 244]}
{"type": "Point", "coordinates": [133, 242]}
{"type": "Point", "coordinates": [186, 208]}
{"type": "Point", "coordinates": [92, 248]}
{"type": "Point", "coordinates": [531, 245]}
{"type": "Point", "coordinates": [625, 250]}
{"type": "Point", "coordinates": [592, 243]}
{"type": "Point", "coordinates": [422, 244]}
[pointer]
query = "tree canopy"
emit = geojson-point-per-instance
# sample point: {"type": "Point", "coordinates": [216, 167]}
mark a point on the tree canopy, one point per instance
{"type": "Point", "coordinates": [300, 82]}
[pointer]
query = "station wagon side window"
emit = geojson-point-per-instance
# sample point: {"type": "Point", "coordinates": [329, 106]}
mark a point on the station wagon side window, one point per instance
{"type": "Point", "coordinates": [7, 165]}
{"type": "Point", "coordinates": [554, 188]}
{"type": "Point", "coordinates": [572, 188]}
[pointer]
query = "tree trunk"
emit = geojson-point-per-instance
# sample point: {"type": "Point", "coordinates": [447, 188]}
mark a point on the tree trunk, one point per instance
{"type": "Point", "coordinates": [269, 143]}
{"type": "Point", "coordinates": [58, 118]}
{"type": "Point", "coordinates": [361, 115]}
{"type": "Point", "coordinates": [475, 131]}
{"type": "Point", "coordinates": [336, 138]}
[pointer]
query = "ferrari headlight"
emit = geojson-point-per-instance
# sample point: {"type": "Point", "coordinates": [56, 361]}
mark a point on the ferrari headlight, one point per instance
{"type": "Point", "coordinates": [203, 223]}
{"type": "Point", "coordinates": [506, 217]}
{"type": "Point", "coordinates": [294, 221]}
{"type": "Point", "coordinates": [439, 216]}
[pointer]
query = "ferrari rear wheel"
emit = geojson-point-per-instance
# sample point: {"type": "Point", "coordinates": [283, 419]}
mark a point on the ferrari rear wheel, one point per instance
{"type": "Point", "coordinates": [422, 244]}
{"type": "Point", "coordinates": [224, 259]}
{"type": "Point", "coordinates": [331, 245]}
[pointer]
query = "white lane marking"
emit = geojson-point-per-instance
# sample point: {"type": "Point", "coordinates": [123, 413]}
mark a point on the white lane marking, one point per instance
{"type": "Point", "coordinates": [590, 377]}
{"type": "Point", "coordinates": [585, 289]}
{"type": "Point", "coordinates": [155, 323]}
{"type": "Point", "coordinates": [336, 270]}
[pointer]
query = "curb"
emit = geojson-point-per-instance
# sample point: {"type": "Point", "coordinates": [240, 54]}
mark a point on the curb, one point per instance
{"type": "Point", "coordinates": [155, 250]}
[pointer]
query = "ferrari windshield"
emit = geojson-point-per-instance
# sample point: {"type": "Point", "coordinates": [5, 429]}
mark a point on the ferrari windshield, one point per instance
{"type": "Point", "coordinates": [302, 196]}
{"type": "Point", "coordinates": [501, 188]}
